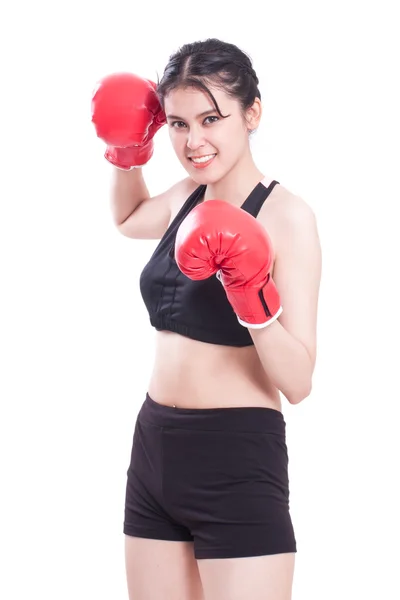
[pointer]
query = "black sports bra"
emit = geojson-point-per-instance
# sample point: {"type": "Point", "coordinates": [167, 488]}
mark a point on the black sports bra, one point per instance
{"type": "Point", "coordinates": [196, 309]}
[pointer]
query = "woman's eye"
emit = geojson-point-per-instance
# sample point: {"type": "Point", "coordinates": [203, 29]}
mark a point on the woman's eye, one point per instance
{"type": "Point", "coordinates": [178, 124]}
{"type": "Point", "coordinates": [209, 120]}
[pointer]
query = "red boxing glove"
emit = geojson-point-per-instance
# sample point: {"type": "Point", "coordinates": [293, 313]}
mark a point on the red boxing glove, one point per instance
{"type": "Point", "coordinates": [218, 238]}
{"type": "Point", "coordinates": [126, 114]}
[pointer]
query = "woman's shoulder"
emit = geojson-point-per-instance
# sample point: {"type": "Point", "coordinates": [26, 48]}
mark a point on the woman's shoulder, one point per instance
{"type": "Point", "coordinates": [286, 208]}
{"type": "Point", "coordinates": [180, 192]}
{"type": "Point", "coordinates": [286, 213]}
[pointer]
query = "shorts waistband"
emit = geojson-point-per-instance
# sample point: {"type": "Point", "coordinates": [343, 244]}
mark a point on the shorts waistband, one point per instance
{"type": "Point", "coordinates": [241, 419]}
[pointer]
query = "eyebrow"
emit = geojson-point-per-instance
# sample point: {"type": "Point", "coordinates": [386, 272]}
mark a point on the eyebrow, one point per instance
{"type": "Point", "coordinates": [203, 114]}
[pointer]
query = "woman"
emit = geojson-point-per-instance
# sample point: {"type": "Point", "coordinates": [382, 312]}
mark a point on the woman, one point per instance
{"type": "Point", "coordinates": [232, 289]}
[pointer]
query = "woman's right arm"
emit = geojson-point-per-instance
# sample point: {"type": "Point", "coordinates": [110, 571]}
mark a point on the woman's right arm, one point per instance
{"type": "Point", "coordinates": [135, 213]}
{"type": "Point", "coordinates": [126, 114]}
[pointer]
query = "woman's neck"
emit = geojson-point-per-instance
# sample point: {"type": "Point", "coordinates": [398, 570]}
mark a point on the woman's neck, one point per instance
{"type": "Point", "coordinates": [237, 184]}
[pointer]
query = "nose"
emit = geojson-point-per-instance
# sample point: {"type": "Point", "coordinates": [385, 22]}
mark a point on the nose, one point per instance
{"type": "Point", "coordinates": [195, 138]}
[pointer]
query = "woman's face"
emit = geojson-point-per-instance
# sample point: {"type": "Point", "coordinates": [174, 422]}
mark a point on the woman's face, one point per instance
{"type": "Point", "coordinates": [207, 145]}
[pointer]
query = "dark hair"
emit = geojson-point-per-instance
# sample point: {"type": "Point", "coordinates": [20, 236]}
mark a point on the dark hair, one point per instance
{"type": "Point", "coordinates": [213, 62]}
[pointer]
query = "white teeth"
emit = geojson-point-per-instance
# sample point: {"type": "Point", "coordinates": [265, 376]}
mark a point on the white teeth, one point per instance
{"type": "Point", "coordinates": [203, 159]}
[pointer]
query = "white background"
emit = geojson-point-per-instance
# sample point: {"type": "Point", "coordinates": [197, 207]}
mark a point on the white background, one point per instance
{"type": "Point", "coordinates": [76, 345]}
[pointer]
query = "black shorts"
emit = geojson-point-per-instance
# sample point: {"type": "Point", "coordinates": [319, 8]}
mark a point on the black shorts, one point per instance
{"type": "Point", "coordinates": [215, 477]}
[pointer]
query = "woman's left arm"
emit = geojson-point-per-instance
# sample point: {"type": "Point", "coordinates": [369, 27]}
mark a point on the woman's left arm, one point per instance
{"type": "Point", "coordinates": [287, 347]}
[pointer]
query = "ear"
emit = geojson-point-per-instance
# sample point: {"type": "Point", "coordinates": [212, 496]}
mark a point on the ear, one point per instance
{"type": "Point", "coordinates": [253, 115]}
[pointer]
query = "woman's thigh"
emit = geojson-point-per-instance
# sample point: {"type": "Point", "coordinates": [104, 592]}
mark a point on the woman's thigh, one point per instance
{"type": "Point", "coordinates": [158, 569]}
{"type": "Point", "coordinates": [259, 577]}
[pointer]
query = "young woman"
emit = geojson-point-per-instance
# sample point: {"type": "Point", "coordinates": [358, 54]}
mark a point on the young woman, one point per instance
{"type": "Point", "coordinates": [232, 290]}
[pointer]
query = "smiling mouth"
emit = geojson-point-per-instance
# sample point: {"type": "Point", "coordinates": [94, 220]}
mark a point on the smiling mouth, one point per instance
{"type": "Point", "coordinates": [200, 160]}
